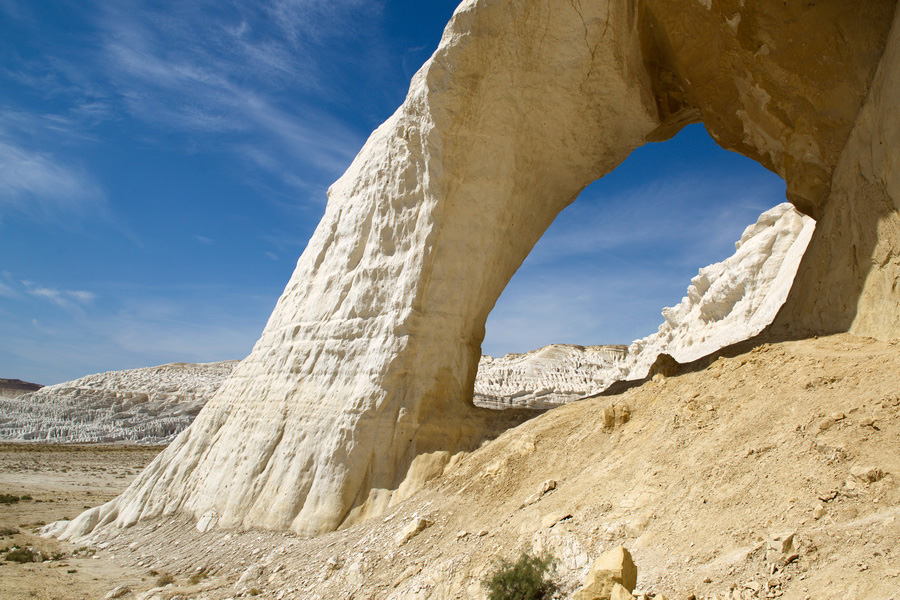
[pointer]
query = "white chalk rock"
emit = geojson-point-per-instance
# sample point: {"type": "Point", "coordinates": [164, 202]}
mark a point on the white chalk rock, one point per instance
{"type": "Point", "coordinates": [733, 300]}
{"type": "Point", "coordinates": [368, 361]}
{"type": "Point", "coordinates": [546, 377]}
{"type": "Point", "coordinates": [369, 358]}
{"type": "Point", "coordinates": [144, 406]}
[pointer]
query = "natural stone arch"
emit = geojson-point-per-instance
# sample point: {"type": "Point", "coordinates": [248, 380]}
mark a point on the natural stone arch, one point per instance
{"type": "Point", "coordinates": [360, 386]}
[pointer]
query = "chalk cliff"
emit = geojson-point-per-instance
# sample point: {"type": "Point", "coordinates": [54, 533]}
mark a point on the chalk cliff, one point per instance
{"type": "Point", "coordinates": [147, 406]}
{"type": "Point", "coordinates": [361, 384]}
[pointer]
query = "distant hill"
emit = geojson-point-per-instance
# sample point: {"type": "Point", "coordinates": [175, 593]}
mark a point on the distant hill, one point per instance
{"type": "Point", "coordinates": [13, 388]}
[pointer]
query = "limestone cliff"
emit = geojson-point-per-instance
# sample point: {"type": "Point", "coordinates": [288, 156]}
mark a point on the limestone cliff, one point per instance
{"type": "Point", "coordinates": [361, 383]}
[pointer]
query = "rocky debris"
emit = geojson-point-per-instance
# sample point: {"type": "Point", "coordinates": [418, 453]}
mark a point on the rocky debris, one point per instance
{"type": "Point", "coordinates": [613, 568]}
{"type": "Point", "coordinates": [13, 388]}
{"type": "Point", "coordinates": [146, 406]}
{"type": "Point", "coordinates": [416, 526]}
{"type": "Point", "coordinates": [615, 415]}
{"type": "Point", "coordinates": [545, 488]}
{"type": "Point", "coordinates": [122, 590]}
{"type": "Point", "coordinates": [714, 518]}
{"type": "Point", "coordinates": [619, 592]}
{"type": "Point", "coordinates": [867, 474]}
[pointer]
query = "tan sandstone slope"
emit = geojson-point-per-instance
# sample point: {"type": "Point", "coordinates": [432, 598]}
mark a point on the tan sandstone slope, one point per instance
{"type": "Point", "coordinates": [702, 476]}
{"type": "Point", "coordinates": [363, 377]}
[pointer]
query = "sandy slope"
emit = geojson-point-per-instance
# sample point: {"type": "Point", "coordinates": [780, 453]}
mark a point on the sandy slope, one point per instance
{"type": "Point", "coordinates": [709, 467]}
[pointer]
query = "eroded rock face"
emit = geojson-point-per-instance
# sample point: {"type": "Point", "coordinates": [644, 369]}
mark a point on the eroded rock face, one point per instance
{"type": "Point", "coordinates": [548, 376]}
{"type": "Point", "coordinates": [363, 376]}
{"type": "Point", "coordinates": [146, 406]}
{"type": "Point", "coordinates": [733, 300]}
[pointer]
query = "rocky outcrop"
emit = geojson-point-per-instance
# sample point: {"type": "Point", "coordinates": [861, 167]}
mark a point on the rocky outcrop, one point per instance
{"type": "Point", "coordinates": [612, 569]}
{"type": "Point", "coordinates": [727, 302]}
{"type": "Point", "coordinates": [147, 406]}
{"type": "Point", "coordinates": [546, 377]}
{"type": "Point", "coordinates": [363, 377]}
{"type": "Point", "coordinates": [732, 300]}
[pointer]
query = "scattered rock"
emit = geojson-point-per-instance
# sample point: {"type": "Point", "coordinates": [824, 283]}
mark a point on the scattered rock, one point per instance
{"type": "Point", "coordinates": [819, 511]}
{"type": "Point", "coordinates": [553, 518]}
{"type": "Point", "coordinates": [545, 488]}
{"type": "Point", "coordinates": [416, 526]}
{"type": "Point", "coordinates": [252, 573]}
{"type": "Point", "coordinates": [620, 593]}
{"type": "Point", "coordinates": [614, 567]}
{"type": "Point", "coordinates": [664, 365]}
{"type": "Point", "coordinates": [118, 592]}
{"type": "Point", "coordinates": [783, 543]}
{"type": "Point", "coordinates": [867, 474]}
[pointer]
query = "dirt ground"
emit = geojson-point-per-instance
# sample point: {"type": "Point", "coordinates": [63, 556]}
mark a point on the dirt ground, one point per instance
{"type": "Point", "coordinates": [58, 482]}
{"type": "Point", "coordinates": [771, 472]}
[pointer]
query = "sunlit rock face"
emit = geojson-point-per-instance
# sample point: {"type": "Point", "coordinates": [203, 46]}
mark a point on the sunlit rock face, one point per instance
{"type": "Point", "coordinates": [363, 377]}
{"type": "Point", "coordinates": [732, 300]}
{"type": "Point", "coordinates": [146, 406]}
{"type": "Point", "coordinates": [546, 377]}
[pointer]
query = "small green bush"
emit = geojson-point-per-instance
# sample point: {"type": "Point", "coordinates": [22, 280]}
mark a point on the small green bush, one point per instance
{"type": "Point", "coordinates": [254, 592]}
{"type": "Point", "coordinates": [23, 555]}
{"type": "Point", "coordinates": [528, 578]}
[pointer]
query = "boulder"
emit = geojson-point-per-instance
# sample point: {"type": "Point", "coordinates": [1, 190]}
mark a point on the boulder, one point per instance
{"type": "Point", "coordinates": [613, 569]}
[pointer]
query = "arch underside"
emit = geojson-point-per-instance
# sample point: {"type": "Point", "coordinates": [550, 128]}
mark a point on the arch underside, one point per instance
{"type": "Point", "coordinates": [360, 386]}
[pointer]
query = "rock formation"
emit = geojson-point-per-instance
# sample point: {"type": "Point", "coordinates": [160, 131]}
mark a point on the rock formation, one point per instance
{"type": "Point", "coordinates": [546, 377]}
{"type": "Point", "coordinates": [146, 406]}
{"type": "Point", "coordinates": [727, 302]}
{"type": "Point", "coordinates": [362, 381]}
{"type": "Point", "coordinates": [732, 300]}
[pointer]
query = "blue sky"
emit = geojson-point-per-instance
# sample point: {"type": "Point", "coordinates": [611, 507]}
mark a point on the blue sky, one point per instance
{"type": "Point", "coordinates": [163, 164]}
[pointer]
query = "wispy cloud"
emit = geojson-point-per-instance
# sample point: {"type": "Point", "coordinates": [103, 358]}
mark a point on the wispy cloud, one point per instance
{"type": "Point", "coordinates": [8, 286]}
{"type": "Point", "coordinates": [229, 72]}
{"type": "Point", "coordinates": [43, 186]}
{"type": "Point", "coordinates": [67, 299]}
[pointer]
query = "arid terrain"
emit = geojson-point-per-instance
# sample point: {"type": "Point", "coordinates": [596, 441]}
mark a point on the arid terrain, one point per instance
{"type": "Point", "coordinates": [54, 482]}
{"type": "Point", "coordinates": [766, 472]}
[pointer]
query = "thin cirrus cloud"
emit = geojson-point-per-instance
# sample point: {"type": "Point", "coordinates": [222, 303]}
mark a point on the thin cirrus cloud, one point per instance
{"type": "Point", "coordinates": [42, 186]}
{"type": "Point", "coordinates": [68, 299]}
{"type": "Point", "coordinates": [236, 75]}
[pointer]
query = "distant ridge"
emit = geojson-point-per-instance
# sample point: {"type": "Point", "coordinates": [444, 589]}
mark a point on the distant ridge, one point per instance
{"type": "Point", "coordinates": [13, 388]}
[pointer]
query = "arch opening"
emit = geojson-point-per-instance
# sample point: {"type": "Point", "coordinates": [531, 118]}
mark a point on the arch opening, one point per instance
{"type": "Point", "coordinates": [629, 246]}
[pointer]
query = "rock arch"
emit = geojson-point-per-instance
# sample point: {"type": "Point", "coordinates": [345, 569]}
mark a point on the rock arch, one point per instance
{"type": "Point", "coordinates": [361, 383]}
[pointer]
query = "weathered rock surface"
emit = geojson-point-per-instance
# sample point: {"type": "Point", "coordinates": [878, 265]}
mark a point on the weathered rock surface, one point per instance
{"type": "Point", "coordinates": [368, 362]}
{"type": "Point", "coordinates": [732, 300]}
{"type": "Point", "coordinates": [147, 406]}
{"type": "Point", "coordinates": [726, 303]}
{"type": "Point", "coordinates": [615, 568]}
{"type": "Point", "coordinates": [546, 377]}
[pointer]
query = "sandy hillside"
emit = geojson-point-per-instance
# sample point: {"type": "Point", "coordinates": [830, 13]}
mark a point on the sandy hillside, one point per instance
{"type": "Point", "coordinates": [703, 475]}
